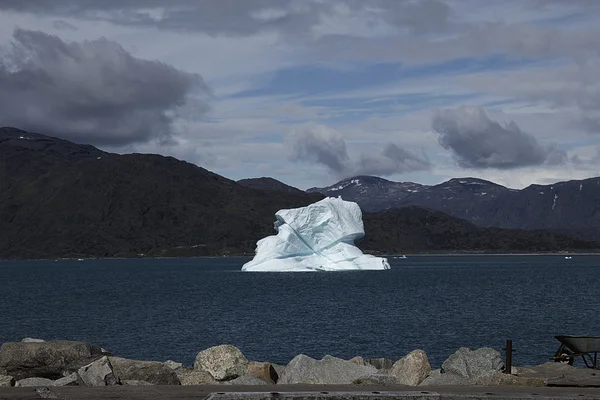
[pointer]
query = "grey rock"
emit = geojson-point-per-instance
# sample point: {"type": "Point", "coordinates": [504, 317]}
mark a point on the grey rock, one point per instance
{"type": "Point", "coordinates": [380, 363]}
{"type": "Point", "coordinates": [131, 382]}
{"type": "Point", "coordinates": [502, 379]}
{"type": "Point", "coordinates": [377, 379]}
{"type": "Point", "coordinates": [194, 377]}
{"type": "Point", "coordinates": [32, 340]}
{"type": "Point", "coordinates": [46, 393]}
{"type": "Point", "coordinates": [358, 360]}
{"type": "Point", "coordinates": [173, 364]}
{"type": "Point", "coordinates": [329, 370]}
{"type": "Point", "coordinates": [471, 364]}
{"type": "Point", "coordinates": [70, 380]}
{"type": "Point", "coordinates": [436, 378]}
{"type": "Point", "coordinates": [547, 370]}
{"type": "Point", "coordinates": [154, 372]}
{"type": "Point", "coordinates": [247, 380]}
{"type": "Point", "coordinates": [45, 359]}
{"type": "Point", "coordinates": [35, 382]}
{"type": "Point", "coordinates": [98, 373]}
{"type": "Point", "coordinates": [7, 381]}
{"type": "Point", "coordinates": [411, 369]}
{"type": "Point", "coordinates": [278, 369]}
{"type": "Point", "coordinates": [224, 362]}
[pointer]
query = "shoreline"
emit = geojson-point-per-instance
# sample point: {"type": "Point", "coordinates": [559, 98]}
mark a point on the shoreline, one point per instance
{"type": "Point", "coordinates": [392, 256]}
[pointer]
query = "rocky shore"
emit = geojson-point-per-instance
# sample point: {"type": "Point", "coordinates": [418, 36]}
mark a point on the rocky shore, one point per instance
{"type": "Point", "coordinates": [38, 363]}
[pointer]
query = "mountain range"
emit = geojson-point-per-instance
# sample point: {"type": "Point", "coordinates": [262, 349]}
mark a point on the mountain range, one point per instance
{"type": "Point", "coordinates": [571, 207]}
{"type": "Point", "coordinates": [59, 199]}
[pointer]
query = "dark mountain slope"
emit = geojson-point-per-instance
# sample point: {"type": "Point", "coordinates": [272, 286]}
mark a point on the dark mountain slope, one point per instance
{"type": "Point", "coordinates": [59, 199]}
{"type": "Point", "coordinates": [268, 184]}
{"type": "Point", "coordinates": [568, 207]}
{"type": "Point", "coordinates": [414, 229]}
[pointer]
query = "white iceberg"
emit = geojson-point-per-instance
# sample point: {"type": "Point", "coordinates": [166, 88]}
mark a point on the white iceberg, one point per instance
{"type": "Point", "coordinates": [319, 237]}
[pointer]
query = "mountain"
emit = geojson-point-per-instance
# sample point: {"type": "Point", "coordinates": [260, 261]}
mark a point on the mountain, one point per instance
{"type": "Point", "coordinates": [568, 207]}
{"type": "Point", "coordinates": [370, 192]}
{"type": "Point", "coordinates": [61, 199]}
{"type": "Point", "coordinates": [268, 184]}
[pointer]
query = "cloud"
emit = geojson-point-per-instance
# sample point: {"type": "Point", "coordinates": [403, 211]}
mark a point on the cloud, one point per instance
{"type": "Point", "coordinates": [326, 146]}
{"type": "Point", "coordinates": [93, 92]}
{"type": "Point", "coordinates": [321, 145]}
{"type": "Point", "coordinates": [478, 142]}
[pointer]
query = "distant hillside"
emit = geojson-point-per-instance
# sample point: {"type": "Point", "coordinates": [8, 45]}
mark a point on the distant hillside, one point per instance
{"type": "Point", "coordinates": [268, 184]}
{"type": "Point", "coordinates": [568, 207]}
{"type": "Point", "coordinates": [61, 199]}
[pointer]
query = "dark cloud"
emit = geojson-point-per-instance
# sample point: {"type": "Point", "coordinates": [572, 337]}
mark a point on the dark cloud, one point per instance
{"type": "Point", "coordinates": [325, 146]}
{"type": "Point", "coordinates": [321, 145]}
{"type": "Point", "coordinates": [63, 26]}
{"type": "Point", "coordinates": [478, 142]}
{"type": "Point", "coordinates": [93, 92]}
{"type": "Point", "coordinates": [235, 17]}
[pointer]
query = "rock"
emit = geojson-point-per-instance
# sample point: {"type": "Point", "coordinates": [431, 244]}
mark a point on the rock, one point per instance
{"type": "Point", "coordinates": [411, 369]}
{"type": "Point", "coordinates": [377, 379]}
{"type": "Point", "coordinates": [98, 373]}
{"type": "Point", "coordinates": [35, 382]}
{"type": "Point", "coordinates": [70, 380]}
{"type": "Point", "coordinates": [380, 363]}
{"type": "Point", "coordinates": [278, 369]}
{"type": "Point", "coordinates": [131, 382]}
{"type": "Point", "coordinates": [263, 371]}
{"type": "Point", "coordinates": [195, 377]}
{"type": "Point", "coordinates": [547, 370]}
{"type": "Point", "coordinates": [7, 381]}
{"type": "Point", "coordinates": [32, 340]}
{"type": "Point", "coordinates": [46, 393]}
{"type": "Point", "coordinates": [329, 370]}
{"type": "Point", "coordinates": [223, 362]}
{"type": "Point", "coordinates": [45, 359]}
{"type": "Point", "coordinates": [247, 380]}
{"type": "Point", "coordinates": [499, 378]}
{"type": "Point", "coordinates": [173, 364]}
{"type": "Point", "coordinates": [436, 378]}
{"type": "Point", "coordinates": [154, 372]}
{"type": "Point", "coordinates": [358, 360]}
{"type": "Point", "coordinates": [471, 364]}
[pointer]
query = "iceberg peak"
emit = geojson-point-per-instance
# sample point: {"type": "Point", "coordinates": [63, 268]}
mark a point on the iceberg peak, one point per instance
{"type": "Point", "coordinates": [318, 237]}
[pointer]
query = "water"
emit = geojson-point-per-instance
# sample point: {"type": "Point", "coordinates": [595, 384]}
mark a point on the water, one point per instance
{"type": "Point", "coordinates": [160, 309]}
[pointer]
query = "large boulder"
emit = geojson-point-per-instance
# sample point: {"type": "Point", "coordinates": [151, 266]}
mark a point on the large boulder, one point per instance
{"type": "Point", "coordinates": [189, 377]}
{"type": "Point", "coordinates": [224, 362]}
{"type": "Point", "coordinates": [45, 359]}
{"type": "Point", "coordinates": [35, 382]}
{"type": "Point", "coordinates": [7, 381]}
{"type": "Point", "coordinates": [329, 370]}
{"type": "Point", "coordinates": [437, 378]}
{"type": "Point", "coordinates": [69, 380]}
{"type": "Point", "coordinates": [98, 373]}
{"type": "Point", "coordinates": [380, 363]}
{"type": "Point", "coordinates": [153, 372]}
{"type": "Point", "coordinates": [471, 364]}
{"type": "Point", "coordinates": [262, 370]}
{"type": "Point", "coordinates": [411, 369]}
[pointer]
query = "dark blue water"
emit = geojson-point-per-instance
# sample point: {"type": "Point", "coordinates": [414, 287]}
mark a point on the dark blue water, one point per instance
{"type": "Point", "coordinates": [162, 309]}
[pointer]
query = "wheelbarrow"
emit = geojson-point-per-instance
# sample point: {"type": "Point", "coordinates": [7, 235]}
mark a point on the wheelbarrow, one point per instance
{"type": "Point", "coordinates": [587, 347]}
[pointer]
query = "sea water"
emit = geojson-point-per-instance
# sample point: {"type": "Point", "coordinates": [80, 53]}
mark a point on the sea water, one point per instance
{"type": "Point", "coordinates": [159, 309]}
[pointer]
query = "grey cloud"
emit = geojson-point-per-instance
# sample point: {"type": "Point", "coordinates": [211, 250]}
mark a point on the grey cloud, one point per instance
{"type": "Point", "coordinates": [478, 142]}
{"type": "Point", "coordinates": [234, 17]}
{"type": "Point", "coordinates": [327, 147]}
{"type": "Point", "coordinates": [392, 160]}
{"type": "Point", "coordinates": [63, 26]}
{"type": "Point", "coordinates": [321, 145]}
{"type": "Point", "coordinates": [94, 92]}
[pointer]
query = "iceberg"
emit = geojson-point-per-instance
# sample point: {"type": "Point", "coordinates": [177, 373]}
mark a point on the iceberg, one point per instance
{"type": "Point", "coordinates": [318, 237]}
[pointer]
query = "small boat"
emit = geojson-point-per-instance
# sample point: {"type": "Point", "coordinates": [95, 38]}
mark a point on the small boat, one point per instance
{"type": "Point", "coordinates": [568, 257]}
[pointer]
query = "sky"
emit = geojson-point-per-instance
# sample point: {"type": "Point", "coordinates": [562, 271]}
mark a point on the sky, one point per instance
{"type": "Point", "coordinates": [313, 91]}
